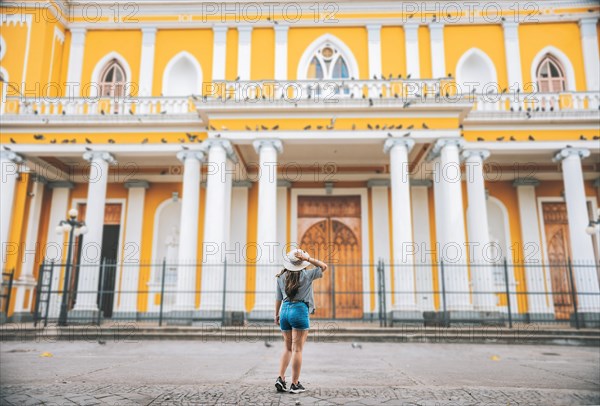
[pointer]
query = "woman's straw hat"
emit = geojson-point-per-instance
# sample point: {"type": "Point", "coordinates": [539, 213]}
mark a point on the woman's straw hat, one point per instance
{"type": "Point", "coordinates": [291, 263]}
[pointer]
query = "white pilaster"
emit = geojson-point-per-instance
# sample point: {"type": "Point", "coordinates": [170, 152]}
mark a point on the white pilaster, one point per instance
{"type": "Point", "coordinates": [236, 262]}
{"type": "Point", "coordinates": [215, 235]}
{"type": "Point", "coordinates": [411, 34]}
{"type": "Point", "coordinates": [420, 217]}
{"type": "Point", "coordinates": [584, 263]}
{"type": "Point", "coordinates": [452, 238]}
{"type": "Point", "coordinates": [404, 272]}
{"type": "Point", "coordinates": [75, 61]}
{"type": "Point", "coordinates": [55, 249]}
{"type": "Point", "coordinates": [438, 58]}
{"type": "Point", "coordinates": [9, 170]}
{"type": "Point", "coordinates": [244, 51]}
{"type": "Point", "coordinates": [381, 234]}
{"type": "Point", "coordinates": [482, 272]}
{"type": "Point", "coordinates": [512, 51]}
{"type": "Point", "coordinates": [147, 61]}
{"type": "Point", "coordinates": [188, 234]}
{"type": "Point", "coordinates": [374, 39]}
{"type": "Point", "coordinates": [89, 270]}
{"type": "Point", "coordinates": [130, 270]}
{"type": "Point", "coordinates": [268, 260]}
{"type": "Point", "coordinates": [589, 45]}
{"type": "Point", "coordinates": [538, 302]}
{"type": "Point", "coordinates": [26, 281]}
{"type": "Point", "coordinates": [281, 52]}
{"type": "Point", "coordinates": [219, 52]}
{"type": "Point", "coordinates": [282, 200]}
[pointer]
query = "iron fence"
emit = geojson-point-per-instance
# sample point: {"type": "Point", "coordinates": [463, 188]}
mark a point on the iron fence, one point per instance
{"type": "Point", "coordinates": [231, 293]}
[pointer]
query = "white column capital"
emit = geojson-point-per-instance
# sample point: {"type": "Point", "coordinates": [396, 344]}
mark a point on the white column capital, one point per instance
{"type": "Point", "coordinates": [183, 155]}
{"type": "Point", "coordinates": [77, 35]}
{"type": "Point", "coordinates": [510, 29]}
{"type": "Point", "coordinates": [442, 143]}
{"type": "Point", "coordinates": [525, 182]}
{"type": "Point", "coordinates": [284, 183]}
{"type": "Point", "coordinates": [411, 31]}
{"type": "Point", "coordinates": [567, 152]}
{"type": "Point", "coordinates": [427, 183]}
{"type": "Point", "coordinates": [587, 26]}
{"type": "Point", "coordinates": [220, 29]}
{"type": "Point", "coordinates": [137, 183]}
{"type": "Point", "coordinates": [148, 35]}
{"type": "Point", "coordinates": [281, 28]}
{"type": "Point", "coordinates": [437, 30]}
{"type": "Point", "coordinates": [11, 156]}
{"type": "Point", "coordinates": [259, 144]}
{"type": "Point", "coordinates": [481, 153]}
{"type": "Point", "coordinates": [390, 143]}
{"type": "Point", "coordinates": [371, 183]}
{"type": "Point", "coordinates": [245, 29]}
{"type": "Point", "coordinates": [94, 155]}
{"type": "Point", "coordinates": [218, 142]}
{"type": "Point", "coordinates": [374, 31]}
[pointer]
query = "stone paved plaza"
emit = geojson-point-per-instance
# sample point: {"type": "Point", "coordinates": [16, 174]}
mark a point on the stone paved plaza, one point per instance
{"type": "Point", "coordinates": [207, 373]}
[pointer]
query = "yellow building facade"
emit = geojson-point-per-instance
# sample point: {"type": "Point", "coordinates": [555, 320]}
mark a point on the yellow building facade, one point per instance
{"type": "Point", "coordinates": [190, 135]}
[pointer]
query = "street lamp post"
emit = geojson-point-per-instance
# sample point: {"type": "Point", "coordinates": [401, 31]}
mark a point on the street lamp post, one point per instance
{"type": "Point", "coordinates": [74, 228]}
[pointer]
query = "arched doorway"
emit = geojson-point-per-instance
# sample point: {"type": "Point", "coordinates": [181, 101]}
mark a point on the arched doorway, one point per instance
{"type": "Point", "coordinates": [329, 228]}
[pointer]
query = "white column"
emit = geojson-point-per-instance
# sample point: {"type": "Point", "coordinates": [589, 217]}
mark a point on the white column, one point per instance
{"type": "Point", "coordinates": [420, 216]}
{"type": "Point", "coordinates": [188, 234]}
{"type": "Point", "coordinates": [219, 52]}
{"type": "Point", "coordinates": [512, 51]}
{"type": "Point", "coordinates": [89, 270]}
{"type": "Point", "coordinates": [404, 272]}
{"type": "Point", "coordinates": [586, 277]}
{"type": "Point", "coordinates": [26, 281]}
{"type": "Point", "coordinates": [55, 249]}
{"type": "Point", "coordinates": [147, 61]}
{"type": "Point", "coordinates": [589, 45]}
{"type": "Point", "coordinates": [9, 166]}
{"type": "Point", "coordinates": [482, 271]}
{"type": "Point", "coordinates": [281, 52]}
{"type": "Point", "coordinates": [130, 270]}
{"type": "Point", "coordinates": [374, 38]}
{"type": "Point", "coordinates": [381, 236]}
{"type": "Point", "coordinates": [536, 276]}
{"type": "Point", "coordinates": [268, 260]}
{"type": "Point", "coordinates": [75, 61]}
{"type": "Point", "coordinates": [215, 235]}
{"type": "Point", "coordinates": [282, 205]}
{"type": "Point", "coordinates": [452, 236]}
{"type": "Point", "coordinates": [244, 51]}
{"type": "Point", "coordinates": [411, 34]}
{"type": "Point", "coordinates": [236, 264]}
{"type": "Point", "coordinates": [438, 58]}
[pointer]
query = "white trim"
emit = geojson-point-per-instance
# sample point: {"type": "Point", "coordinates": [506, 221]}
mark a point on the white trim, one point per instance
{"type": "Point", "coordinates": [147, 61]}
{"type": "Point", "coordinates": [589, 47]}
{"type": "Point", "coordinates": [487, 60]}
{"type": "Point", "coordinates": [438, 58]}
{"type": "Point", "coordinates": [309, 52]}
{"type": "Point", "coordinates": [173, 61]}
{"type": "Point", "coordinates": [28, 41]}
{"type": "Point", "coordinates": [75, 64]}
{"type": "Point", "coordinates": [411, 45]}
{"type": "Point", "coordinates": [244, 51]}
{"type": "Point", "coordinates": [4, 73]}
{"type": "Point", "coordinates": [101, 64]}
{"type": "Point", "coordinates": [2, 47]}
{"type": "Point", "coordinates": [364, 224]}
{"type": "Point", "coordinates": [512, 52]}
{"type": "Point", "coordinates": [219, 53]}
{"type": "Point", "coordinates": [281, 52]}
{"type": "Point", "coordinates": [60, 36]}
{"type": "Point", "coordinates": [564, 61]}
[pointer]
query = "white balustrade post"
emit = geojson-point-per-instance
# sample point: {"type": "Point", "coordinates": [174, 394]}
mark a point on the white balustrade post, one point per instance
{"type": "Point", "coordinates": [584, 262]}
{"type": "Point", "coordinates": [268, 257]}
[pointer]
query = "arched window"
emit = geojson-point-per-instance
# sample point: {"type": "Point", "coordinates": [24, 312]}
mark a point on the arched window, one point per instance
{"type": "Point", "coordinates": [327, 63]}
{"type": "Point", "coordinates": [550, 75]}
{"type": "Point", "coordinates": [112, 80]}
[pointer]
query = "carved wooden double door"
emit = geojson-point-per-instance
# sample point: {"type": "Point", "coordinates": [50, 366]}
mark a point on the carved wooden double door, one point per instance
{"type": "Point", "coordinates": [329, 228]}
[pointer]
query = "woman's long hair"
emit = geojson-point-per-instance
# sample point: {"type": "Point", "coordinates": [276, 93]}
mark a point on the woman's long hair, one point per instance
{"type": "Point", "coordinates": [292, 283]}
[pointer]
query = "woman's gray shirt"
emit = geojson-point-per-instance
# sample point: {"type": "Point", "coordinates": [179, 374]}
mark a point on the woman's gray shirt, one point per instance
{"type": "Point", "coordinates": [305, 290]}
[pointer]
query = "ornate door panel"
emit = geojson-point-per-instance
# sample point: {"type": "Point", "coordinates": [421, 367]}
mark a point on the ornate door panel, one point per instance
{"type": "Point", "coordinates": [557, 237]}
{"type": "Point", "coordinates": [329, 228]}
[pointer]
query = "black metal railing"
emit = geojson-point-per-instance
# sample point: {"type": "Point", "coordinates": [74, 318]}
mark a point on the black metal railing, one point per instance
{"type": "Point", "coordinates": [431, 293]}
{"type": "Point", "coordinates": [6, 292]}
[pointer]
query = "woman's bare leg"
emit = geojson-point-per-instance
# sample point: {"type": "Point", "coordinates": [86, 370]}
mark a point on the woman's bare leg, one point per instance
{"type": "Point", "coordinates": [298, 339]}
{"type": "Point", "coordinates": [286, 355]}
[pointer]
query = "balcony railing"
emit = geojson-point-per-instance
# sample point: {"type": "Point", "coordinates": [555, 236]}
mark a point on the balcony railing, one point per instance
{"type": "Point", "coordinates": [236, 94]}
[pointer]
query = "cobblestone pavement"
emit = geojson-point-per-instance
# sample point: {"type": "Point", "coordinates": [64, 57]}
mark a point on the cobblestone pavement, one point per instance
{"type": "Point", "coordinates": [198, 373]}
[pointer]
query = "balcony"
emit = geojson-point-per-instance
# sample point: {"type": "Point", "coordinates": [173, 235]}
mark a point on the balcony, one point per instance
{"type": "Point", "coordinates": [233, 96]}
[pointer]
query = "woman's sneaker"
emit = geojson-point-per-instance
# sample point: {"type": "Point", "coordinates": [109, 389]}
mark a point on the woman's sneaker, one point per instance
{"type": "Point", "coordinates": [297, 388]}
{"type": "Point", "coordinates": [280, 385]}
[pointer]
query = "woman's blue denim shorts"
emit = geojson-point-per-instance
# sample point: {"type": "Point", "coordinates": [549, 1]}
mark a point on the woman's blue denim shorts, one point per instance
{"type": "Point", "coordinates": [294, 315]}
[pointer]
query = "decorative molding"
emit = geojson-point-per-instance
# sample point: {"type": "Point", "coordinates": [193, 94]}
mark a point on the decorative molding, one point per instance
{"type": "Point", "coordinates": [94, 155]}
{"type": "Point", "coordinates": [582, 153]}
{"type": "Point", "coordinates": [277, 144]}
{"type": "Point", "coordinates": [59, 35]}
{"type": "Point", "coordinates": [137, 183]}
{"type": "Point", "coordinates": [390, 143]}
{"type": "Point", "coordinates": [378, 183]}
{"type": "Point", "coordinates": [442, 143]}
{"type": "Point", "coordinates": [61, 185]}
{"type": "Point", "coordinates": [563, 59]}
{"type": "Point", "coordinates": [309, 52]}
{"type": "Point", "coordinates": [190, 154]}
{"type": "Point", "coordinates": [482, 153]}
{"type": "Point", "coordinates": [284, 183]}
{"type": "Point", "coordinates": [421, 182]}
{"type": "Point", "coordinates": [12, 157]}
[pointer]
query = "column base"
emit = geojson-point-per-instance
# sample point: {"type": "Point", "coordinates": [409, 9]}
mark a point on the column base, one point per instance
{"type": "Point", "coordinates": [77, 316]}
{"type": "Point", "coordinates": [586, 320]}
{"type": "Point", "coordinates": [21, 317]}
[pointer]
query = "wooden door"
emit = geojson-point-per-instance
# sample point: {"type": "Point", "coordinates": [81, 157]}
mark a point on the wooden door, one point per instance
{"type": "Point", "coordinates": [557, 236]}
{"type": "Point", "coordinates": [329, 228]}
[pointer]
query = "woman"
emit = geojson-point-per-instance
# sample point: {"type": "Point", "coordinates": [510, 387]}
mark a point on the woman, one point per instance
{"type": "Point", "coordinates": [294, 288]}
